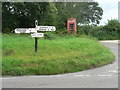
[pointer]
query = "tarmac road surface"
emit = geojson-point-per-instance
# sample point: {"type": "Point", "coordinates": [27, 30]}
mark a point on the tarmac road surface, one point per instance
{"type": "Point", "coordinates": [101, 77]}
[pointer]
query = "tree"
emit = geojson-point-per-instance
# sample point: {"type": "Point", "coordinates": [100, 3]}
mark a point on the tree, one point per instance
{"type": "Point", "coordinates": [112, 25]}
{"type": "Point", "coordinates": [8, 20]}
{"type": "Point", "coordinates": [23, 14]}
{"type": "Point", "coordinates": [84, 12]}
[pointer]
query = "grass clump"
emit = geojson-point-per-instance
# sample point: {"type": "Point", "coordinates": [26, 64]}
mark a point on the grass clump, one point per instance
{"type": "Point", "coordinates": [55, 56]}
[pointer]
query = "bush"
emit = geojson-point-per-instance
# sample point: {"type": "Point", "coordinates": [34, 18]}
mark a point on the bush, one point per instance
{"type": "Point", "coordinates": [112, 25]}
{"type": "Point", "coordinates": [108, 32]}
{"type": "Point", "coordinates": [61, 32]}
{"type": "Point", "coordinates": [84, 30]}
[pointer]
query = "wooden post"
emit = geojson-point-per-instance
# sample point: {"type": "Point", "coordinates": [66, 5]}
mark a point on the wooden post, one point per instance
{"type": "Point", "coordinates": [36, 39]}
{"type": "Point", "coordinates": [36, 44]}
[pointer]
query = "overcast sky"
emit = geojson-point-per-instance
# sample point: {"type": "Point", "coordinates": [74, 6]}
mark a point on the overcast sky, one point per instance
{"type": "Point", "coordinates": [110, 8]}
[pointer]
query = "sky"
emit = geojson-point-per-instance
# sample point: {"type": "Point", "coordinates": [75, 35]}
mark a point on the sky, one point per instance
{"type": "Point", "coordinates": [110, 10]}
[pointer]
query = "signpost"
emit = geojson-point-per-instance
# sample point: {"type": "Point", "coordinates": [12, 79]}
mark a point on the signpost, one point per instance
{"type": "Point", "coordinates": [45, 28]}
{"type": "Point", "coordinates": [25, 30]}
{"type": "Point", "coordinates": [34, 33]}
{"type": "Point", "coordinates": [37, 35]}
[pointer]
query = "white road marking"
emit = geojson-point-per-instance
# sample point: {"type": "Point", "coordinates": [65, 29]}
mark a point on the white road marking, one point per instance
{"type": "Point", "coordinates": [105, 75]}
{"type": "Point", "coordinates": [46, 76]}
{"type": "Point", "coordinates": [113, 71]}
{"type": "Point", "coordinates": [40, 76]}
{"type": "Point", "coordinates": [118, 67]}
{"type": "Point", "coordinates": [59, 75]}
{"type": "Point", "coordinates": [4, 78]}
{"type": "Point", "coordinates": [81, 75]}
{"type": "Point", "coordinates": [110, 41]}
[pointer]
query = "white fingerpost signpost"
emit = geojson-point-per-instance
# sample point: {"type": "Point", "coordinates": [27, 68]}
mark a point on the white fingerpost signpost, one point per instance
{"type": "Point", "coordinates": [46, 28]}
{"type": "Point", "coordinates": [37, 35]}
{"type": "Point", "coordinates": [34, 33]}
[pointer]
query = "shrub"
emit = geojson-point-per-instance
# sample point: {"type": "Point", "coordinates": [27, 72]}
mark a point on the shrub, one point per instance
{"type": "Point", "coordinates": [109, 31]}
{"type": "Point", "coordinates": [84, 30]}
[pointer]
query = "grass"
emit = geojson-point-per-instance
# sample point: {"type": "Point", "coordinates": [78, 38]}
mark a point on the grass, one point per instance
{"type": "Point", "coordinates": [57, 56]}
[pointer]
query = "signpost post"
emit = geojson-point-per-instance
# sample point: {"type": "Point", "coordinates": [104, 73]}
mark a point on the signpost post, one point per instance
{"type": "Point", "coordinates": [36, 39]}
{"type": "Point", "coordinates": [36, 44]}
{"type": "Point", "coordinates": [34, 32]}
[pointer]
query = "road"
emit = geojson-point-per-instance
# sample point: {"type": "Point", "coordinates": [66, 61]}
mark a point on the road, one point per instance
{"type": "Point", "coordinates": [101, 77]}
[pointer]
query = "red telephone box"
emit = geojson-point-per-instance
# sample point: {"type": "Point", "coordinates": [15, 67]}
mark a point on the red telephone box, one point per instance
{"type": "Point", "coordinates": [71, 26]}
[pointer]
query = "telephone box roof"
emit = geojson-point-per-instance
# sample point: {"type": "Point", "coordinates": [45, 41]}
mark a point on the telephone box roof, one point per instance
{"type": "Point", "coordinates": [71, 19]}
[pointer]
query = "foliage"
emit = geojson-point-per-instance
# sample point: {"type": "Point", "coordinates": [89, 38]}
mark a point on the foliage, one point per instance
{"type": "Point", "coordinates": [110, 31]}
{"type": "Point", "coordinates": [84, 30]}
{"type": "Point", "coordinates": [112, 25]}
{"type": "Point", "coordinates": [23, 14]}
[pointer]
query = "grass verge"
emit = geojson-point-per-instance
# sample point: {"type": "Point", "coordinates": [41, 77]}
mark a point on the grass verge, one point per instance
{"type": "Point", "coordinates": [57, 56]}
